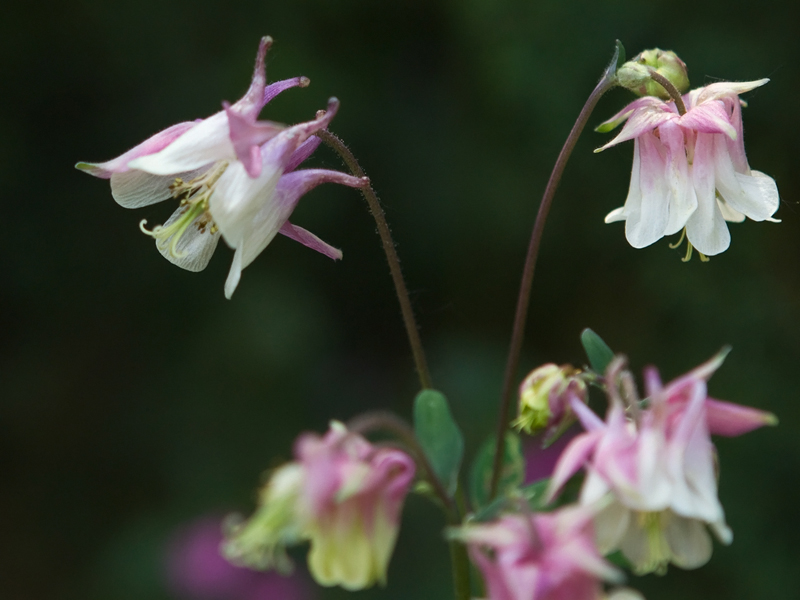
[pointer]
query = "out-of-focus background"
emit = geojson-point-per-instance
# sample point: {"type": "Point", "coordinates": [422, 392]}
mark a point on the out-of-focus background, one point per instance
{"type": "Point", "coordinates": [138, 406]}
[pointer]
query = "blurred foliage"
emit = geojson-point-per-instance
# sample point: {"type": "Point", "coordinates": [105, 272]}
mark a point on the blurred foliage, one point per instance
{"type": "Point", "coordinates": [136, 398]}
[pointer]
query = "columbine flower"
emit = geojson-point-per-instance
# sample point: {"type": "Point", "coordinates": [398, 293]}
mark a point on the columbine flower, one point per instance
{"type": "Point", "coordinates": [344, 495]}
{"type": "Point", "coordinates": [232, 175]}
{"type": "Point", "coordinates": [544, 399]}
{"type": "Point", "coordinates": [658, 465]}
{"type": "Point", "coordinates": [543, 556]}
{"type": "Point", "coordinates": [690, 171]}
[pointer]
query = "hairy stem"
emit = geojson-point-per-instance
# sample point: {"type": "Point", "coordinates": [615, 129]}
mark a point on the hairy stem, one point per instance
{"type": "Point", "coordinates": [391, 256]}
{"type": "Point", "coordinates": [523, 300]}
{"type": "Point", "coordinates": [671, 90]}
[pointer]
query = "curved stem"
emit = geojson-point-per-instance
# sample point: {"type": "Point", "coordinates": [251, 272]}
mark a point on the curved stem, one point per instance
{"type": "Point", "coordinates": [391, 256]}
{"type": "Point", "coordinates": [384, 421]}
{"type": "Point", "coordinates": [671, 90]}
{"type": "Point", "coordinates": [523, 300]}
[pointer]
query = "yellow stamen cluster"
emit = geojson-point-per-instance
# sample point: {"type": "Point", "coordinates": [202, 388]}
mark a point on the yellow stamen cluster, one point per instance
{"type": "Point", "coordinates": [194, 196]}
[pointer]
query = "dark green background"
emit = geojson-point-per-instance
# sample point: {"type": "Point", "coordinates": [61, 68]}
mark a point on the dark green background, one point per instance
{"type": "Point", "coordinates": [136, 398]}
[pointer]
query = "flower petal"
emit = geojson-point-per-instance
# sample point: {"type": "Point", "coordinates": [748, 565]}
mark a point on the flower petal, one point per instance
{"type": "Point", "coordinates": [755, 196]}
{"type": "Point", "coordinates": [194, 248]}
{"type": "Point", "coordinates": [729, 419]}
{"type": "Point", "coordinates": [626, 112]}
{"type": "Point", "coordinates": [709, 117]}
{"type": "Point", "coordinates": [151, 145]}
{"type": "Point", "coordinates": [273, 89]}
{"type": "Point", "coordinates": [648, 218]}
{"type": "Point", "coordinates": [134, 189]}
{"type": "Point", "coordinates": [642, 121]}
{"type": "Point", "coordinates": [298, 234]}
{"type": "Point", "coordinates": [730, 215]}
{"type": "Point", "coordinates": [208, 141]}
{"type": "Point", "coordinates": [706, 228]}
{"type": "Point", "coordinates": [683, 200]}
{"type": "Point", "coordinates": [727, 88]}
{"type": "Point", "coordinates": [618, 214]}
{"type": "Point", "coordinates": [247, 135]}
{"type": "Point", "coordinates": [571, 460]}
{"type": "Point", "coordinates": [688, 541]}
{"type": "Point", "coordinates": [235, 274]}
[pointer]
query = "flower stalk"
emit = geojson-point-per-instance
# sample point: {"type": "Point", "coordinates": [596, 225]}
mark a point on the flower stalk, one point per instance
{"type": "Point", "coordinates": [391, 255]}
{"type": "Point", "coordinates": [523, 300]}
{"type": "Point", "coordinates": [671, 90]}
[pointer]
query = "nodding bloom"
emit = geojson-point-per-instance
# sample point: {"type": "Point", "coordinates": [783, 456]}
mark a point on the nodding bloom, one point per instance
{"type": "Point", "coordinates": [342, 494]}
{"type": "Point", "coordinates": [656, 462]}
{"type": "Point", "coordinates": [233, 175]}
{"type": "Point", "coordinates": [544, 399]}
{"type": "Point", "coordinates": [542, 556]}
{"type": "Point", "coordinates": [690, 172]}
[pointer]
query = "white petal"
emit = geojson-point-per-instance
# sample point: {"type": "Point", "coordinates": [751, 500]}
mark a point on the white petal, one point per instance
{"type": "Point", "coordinates": [648, 207]}
{"type": "Point", "coordinates": [723, 532]}
{"type": "Point", "coordinates": [683, 200]}
{"type": "Point", "coordinates": [624, 594]}
{"type": "Point", "coordinates": [610, 525]}
{"type": "Point", "coordinates": [730, 215]}
{"type": "Point", "coordinates": [761, 198]}
{"type": "Point", "coordinates": [238, 199]}
{"type": "Point", "coordinates": [618, 214]}
{"type": "Point", "coordinates": [688, 541]}
{"type": "Point", "coordinates": [706, 229]}
{"type": "Point", "coordinates": [194, 248]}
{"type": "Point", "coordinates": [206, 142]}
{"type": "Point", "coordinates": [134, 189]}
{"type": "Point", "coordinates": [235, 274]}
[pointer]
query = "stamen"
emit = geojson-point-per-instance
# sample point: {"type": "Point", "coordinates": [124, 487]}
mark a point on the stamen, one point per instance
{"type": "Point", "coordinates": [194, 210]}
{"type": "Point", "coordinates": [703, 257]}
{"type": "Point", "coordinates": [680, 241]}
{"type": "Point", "coordinates": [689, 249]}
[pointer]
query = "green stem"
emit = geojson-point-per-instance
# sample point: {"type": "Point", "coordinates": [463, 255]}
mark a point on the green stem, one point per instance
{"type": "Point", "coordinates": [523, 300]}
{"type": "Point", "coordinates": [391, 256]}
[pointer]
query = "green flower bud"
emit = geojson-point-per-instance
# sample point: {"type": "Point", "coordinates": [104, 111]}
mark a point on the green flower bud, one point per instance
{"type": "Point", "coordinates": [635, 74]}
{"type": "Point", "coordinates": [544, 397]}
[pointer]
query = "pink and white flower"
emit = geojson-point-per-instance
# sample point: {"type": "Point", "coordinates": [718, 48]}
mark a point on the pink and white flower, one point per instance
{"type": "Point", "coordinates": [542, 556]}
{"type": "Point", "coordinates": [341, 493]}
{"type": "Point", "coordinates": [690, 171]}
{"type": "Point", "coordinates": [233, 175]}
{"type": "Point", "coordinates": [657, 464]}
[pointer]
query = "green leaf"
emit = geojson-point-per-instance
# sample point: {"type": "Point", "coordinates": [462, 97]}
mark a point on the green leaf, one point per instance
{"type": "Point", "coordinates": [616, 61]}
{"type": "Point", "coordinates": [600, 355]}
{"type": "Point", "coordinates": [512, 473]}
{"type": "Point", "coordinates": [439, 436]}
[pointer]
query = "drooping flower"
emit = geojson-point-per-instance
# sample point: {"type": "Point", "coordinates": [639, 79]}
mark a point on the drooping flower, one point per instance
{"type": "Point", "coordinates": [542, 556]}
{"type": "Point", "coordinates": [544, 399]}
{"type": "Point", "coordinates": [690, 172]}
{"type": "Point", "coordinates": [341, 493]}
{"type": "Point", "coordinates": [233, 176]}
{"type": "Point", "coordinates": [658, 465]}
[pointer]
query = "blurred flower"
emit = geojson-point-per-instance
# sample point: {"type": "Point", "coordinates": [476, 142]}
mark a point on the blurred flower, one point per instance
{"type": "Point", "coordinates": [344, 495]}
{"type": "Point", "coordinates": [690, 171]}
{"type": "Point", "coordinates": [542, 556]}
{"type": "Point", "coordinates": [544, 399]}
{"type": "Point", "coordinates": [232, 175]}
{"type": "Point", "coordinates": [658, 465]}
{"type": "Point", "coordinates": [196, 570]}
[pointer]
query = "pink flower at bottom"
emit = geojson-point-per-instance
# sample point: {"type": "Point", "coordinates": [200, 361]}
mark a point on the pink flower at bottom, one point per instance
{"type": "Point", "coordinates": [542, 556]}
{"type": "Point", "coordinates": [655, 470]}
{"type": "Point", "coordinates": [342, 494]}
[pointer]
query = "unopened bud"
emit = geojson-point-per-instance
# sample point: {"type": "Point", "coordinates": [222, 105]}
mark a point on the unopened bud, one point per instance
{"type": "Point", "coordinates": [635, 74]}
{"type": "Point", "coordinates": [544, 397]}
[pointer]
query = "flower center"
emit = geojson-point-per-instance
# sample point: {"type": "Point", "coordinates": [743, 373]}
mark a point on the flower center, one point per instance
{"type": "Point", "coordinates": [657, 553]}
{"type": "Point", "coordinates": [194, 196]}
